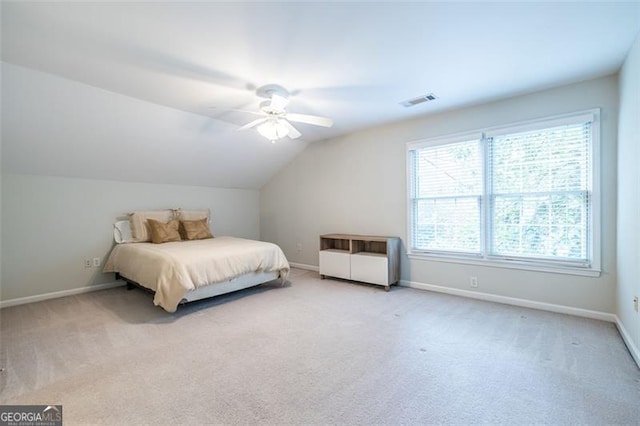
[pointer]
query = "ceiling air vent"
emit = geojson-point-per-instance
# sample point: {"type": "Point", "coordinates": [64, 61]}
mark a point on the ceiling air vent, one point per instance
{"type": "Point", "coordinates": [420, 99]}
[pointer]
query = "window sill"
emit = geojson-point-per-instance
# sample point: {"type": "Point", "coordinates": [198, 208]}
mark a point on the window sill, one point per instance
{"type": "Point", "coordinates": [508, 264]}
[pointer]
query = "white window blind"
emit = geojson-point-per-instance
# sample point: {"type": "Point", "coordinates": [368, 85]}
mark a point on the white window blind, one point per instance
{"type": "Point", "coordinates": [525, 194]}
{"type": "Point", "coordinates": [540, 188]}
{"type": "Point", "coordinates": [446, 200]}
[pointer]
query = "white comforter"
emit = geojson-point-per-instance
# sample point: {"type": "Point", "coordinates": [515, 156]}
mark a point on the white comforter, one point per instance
{"type": "Point", "coordinates": [174, 269]}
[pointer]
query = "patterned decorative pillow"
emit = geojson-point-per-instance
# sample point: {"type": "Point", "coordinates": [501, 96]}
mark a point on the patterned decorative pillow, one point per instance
{"type": "Point", "coordinates": [164, 232]}
{"type": "Point", "coordinates": [191, 215]}
{"type": "Point", "coordinates": [196, 229]}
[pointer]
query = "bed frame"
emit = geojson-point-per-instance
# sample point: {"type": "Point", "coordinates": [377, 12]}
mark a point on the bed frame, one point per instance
{"type": "Point", "coordinates": [204, 292]}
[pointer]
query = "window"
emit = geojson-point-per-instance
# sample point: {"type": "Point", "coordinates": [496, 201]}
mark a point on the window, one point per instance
{"type": "Point", "coordinates": [447, 197]}
{"type": "Point", "coordinates": [521, 196]}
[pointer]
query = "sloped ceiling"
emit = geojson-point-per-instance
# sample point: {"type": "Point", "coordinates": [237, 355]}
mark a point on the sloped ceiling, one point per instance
{"type": "Point", "coordinates": [124, 90]}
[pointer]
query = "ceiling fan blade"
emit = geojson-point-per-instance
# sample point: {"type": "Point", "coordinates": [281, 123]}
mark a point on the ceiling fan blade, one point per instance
{"type": "Point", "coordinates": [293, 132]}
{"type": "Point", "coordinates": [253, 123]}
{"type": "Point", "coordinates": [310, 119]}
{"type": "Point", "coordinates": [278, 102]}
{"type": "Point", "coordinates": [238, 110]}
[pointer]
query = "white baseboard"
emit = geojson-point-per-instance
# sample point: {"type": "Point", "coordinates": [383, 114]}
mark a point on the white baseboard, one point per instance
{"type": "Point", "coordinates": [633, 349]}
{"type": "Point", "coordinates": [304, 266]}
{"type": "Point", "coordinates": [562, 309]}
{"type": "Point", "coordinates": [56, 294]}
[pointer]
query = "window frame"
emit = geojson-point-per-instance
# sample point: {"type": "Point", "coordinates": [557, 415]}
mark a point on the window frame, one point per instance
{"type": "Point", "coordinates": [593, 268]}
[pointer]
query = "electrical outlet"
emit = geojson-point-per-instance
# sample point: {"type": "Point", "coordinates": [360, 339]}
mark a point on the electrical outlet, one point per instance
{"type": "Point", "coordinates": [96, 262]}
{"type": "Point", "coordinates": [473, 282]}
{"type": "Point", "coordinates": [299, 246]}
{"type": "Point", "coordinates": [87, 263]}
{"type": "Point", "coordinates": [635, 303]}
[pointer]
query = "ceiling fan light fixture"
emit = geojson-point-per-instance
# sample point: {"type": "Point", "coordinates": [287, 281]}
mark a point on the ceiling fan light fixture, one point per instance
{"type": "Point", "coordinates": [275, 121]}
{"type": "Point", "coordinates": [273, 130]}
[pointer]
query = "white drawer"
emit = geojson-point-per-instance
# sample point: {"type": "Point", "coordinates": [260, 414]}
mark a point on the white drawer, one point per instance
{"type": "Point", "coordinates": [370, 268]}
{"type": "Point", "coordinates": [335, 263]}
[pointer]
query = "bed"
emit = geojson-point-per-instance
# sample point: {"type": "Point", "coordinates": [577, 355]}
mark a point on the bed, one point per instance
{"type": "Point", "coordinates": [184, 271]}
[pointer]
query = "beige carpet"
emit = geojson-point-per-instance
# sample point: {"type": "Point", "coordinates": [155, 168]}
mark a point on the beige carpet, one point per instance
{"type": "Point", "coordinates": [315, 351]}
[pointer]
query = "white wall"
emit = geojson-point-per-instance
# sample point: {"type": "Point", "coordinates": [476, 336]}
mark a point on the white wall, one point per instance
{"type": "Point", "coordinates": [629, 194]}
{"type": "Point", "coordinates": [357, 184]}
{"type": "Point", "coordinates": [51, 224]}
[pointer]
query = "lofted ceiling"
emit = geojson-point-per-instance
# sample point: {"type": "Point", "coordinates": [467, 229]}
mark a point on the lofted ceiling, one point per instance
{"type": "Point", "coordinates": [353, 62]}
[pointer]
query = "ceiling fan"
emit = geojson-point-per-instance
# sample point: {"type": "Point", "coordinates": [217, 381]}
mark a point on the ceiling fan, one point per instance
{"type": "Point", "coordinates": [275, 120]}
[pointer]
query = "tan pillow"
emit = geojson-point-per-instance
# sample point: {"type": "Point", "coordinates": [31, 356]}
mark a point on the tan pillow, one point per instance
{"type": "Point", "coordinates": [139, 226]}
{"type": "Point", "coordinates": [196, 229]}
{"type": "Point", "coordinates": [190, 215]}
{"type": "Point", "coordinates": [164, 232]}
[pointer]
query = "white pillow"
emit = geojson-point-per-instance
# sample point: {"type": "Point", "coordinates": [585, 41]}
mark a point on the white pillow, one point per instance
{"type": "Point", "coordinates": [122, 232]}
{"type": "Point", "coordinates": [193, 214]}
